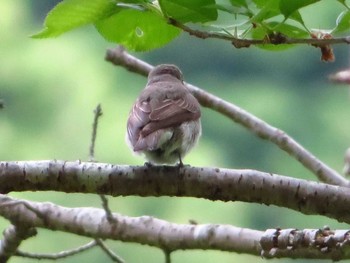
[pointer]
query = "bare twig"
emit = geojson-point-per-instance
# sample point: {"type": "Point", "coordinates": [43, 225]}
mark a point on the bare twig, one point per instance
{"type": "Point", "coordinates": [119, 56]}
{"type": "Point", "coordinates": [200, 182]}
{"type": "Point", "coordinates": [13, 237]}
{"type": "Point", "coordinates": [239, 42]}
{"type": "Point", "coordinates": [59, 255]}
{"type": "Point", "coordinates": [98, 114]}
{"type": "Point", "coordinates": [109, 252]}
{"type": "Point", "coordinates": [167, 255]}
{"type": "Point", "coordinates": [105, 206]}
{"type": "Point", "coordinates": [309, 243]}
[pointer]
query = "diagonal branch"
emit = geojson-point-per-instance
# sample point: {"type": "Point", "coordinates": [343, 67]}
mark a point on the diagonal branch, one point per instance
{"type": "Point", "coordinates": [200, 182]}
{"type": "Point", "coordinates": [119, 56]}
{"type": "Point", "coordinates": [91, 222]}
{"type": "Point", "coordinates": [97, 114]}
{"type": "Point", "coordinates": [56, 256]}
{"type": "Point", "coordinates": [114, 257]}
{"type": "Point", "coordinates": [13, 237]}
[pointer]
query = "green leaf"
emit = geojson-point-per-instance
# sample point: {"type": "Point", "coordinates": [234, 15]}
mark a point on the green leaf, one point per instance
{"type": "Point", "coordinates": [286, 30]}
{"type": "Point", "coordinates": [239, 3]}
{"type": "Point", "coordinates": [291, 31]}
{"type": "Point", "coordinates": [343, 22]}
{"type": "Point", "coordinates": [70, 14]}
{"type": "Point", "coordinates": [343, 2]}
{"type": "Point", "coordinates": [137, 30]}
{"type": "Point", "coordinates": [196, 11]}
{"type": "Point", "coordinates": [288, 7]}
{"type": "Point", "coordinates": [234, 10]}
{"type": "Point", "coordinates": [267, 10]}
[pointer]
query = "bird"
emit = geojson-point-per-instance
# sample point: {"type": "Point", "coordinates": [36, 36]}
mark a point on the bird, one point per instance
{"type": "Point", "coordinates": [164, 123]}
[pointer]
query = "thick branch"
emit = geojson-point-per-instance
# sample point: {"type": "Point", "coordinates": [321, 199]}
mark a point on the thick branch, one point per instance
{"type": "Point", "coordinates": [147, 230]}
{"type": "Point", "coordinates": [209, 183]}
{"type": "Point", "coordinates": [119, 56]}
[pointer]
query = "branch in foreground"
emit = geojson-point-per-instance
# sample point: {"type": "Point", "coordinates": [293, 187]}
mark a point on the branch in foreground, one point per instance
{"type": "Point", "coordinates": [209, 183]}
{"type": "Point", "coordinates": [119, 56]}
{"type": "Point", "coordinates": [13, 237]}
{"type": "Point", "coordinates": [147, 230]}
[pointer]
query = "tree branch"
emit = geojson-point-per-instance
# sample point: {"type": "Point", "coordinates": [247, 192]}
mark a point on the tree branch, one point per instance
{"type": "Point", "coordinates": [114, 257]}
{"type": "Point", "coordinates": [13, 237]}
{"type": "Point", "coordinates": [277, 39]}
{"type": "Point", "coordinates": [92, 222]}
{"type": "Point", "coordinates": [209, 183]}
{"type": "Point", "coordinates": [118, 56]}
{"type": "Point", "coordinates": [97, 115]}
{"type": "Point", "coordinates": [56, 256]}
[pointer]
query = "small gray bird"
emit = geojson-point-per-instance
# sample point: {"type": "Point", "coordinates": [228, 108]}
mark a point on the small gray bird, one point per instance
{"type": "Point", "coordinates": [164, 123]}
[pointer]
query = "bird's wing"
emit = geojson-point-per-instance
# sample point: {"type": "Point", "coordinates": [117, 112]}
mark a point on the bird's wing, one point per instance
{"type": "Point", "coordinates": [138, 118]}
{"type": "Point", "coordinates": [172, 112]}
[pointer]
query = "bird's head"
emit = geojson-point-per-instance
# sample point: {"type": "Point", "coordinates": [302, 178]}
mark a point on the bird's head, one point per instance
{"type": "Point", "coordinates": [164, 71]}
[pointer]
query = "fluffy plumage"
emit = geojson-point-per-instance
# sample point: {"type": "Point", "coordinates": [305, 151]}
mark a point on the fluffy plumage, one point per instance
{"type": "Point", "coordinates": [164, 122]}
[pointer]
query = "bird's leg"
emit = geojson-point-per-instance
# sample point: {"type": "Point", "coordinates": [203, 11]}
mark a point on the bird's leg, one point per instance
{"type": "Point", "coordinates": [149, 164]}
{"type": "Point", "coordinates": [180, 160]}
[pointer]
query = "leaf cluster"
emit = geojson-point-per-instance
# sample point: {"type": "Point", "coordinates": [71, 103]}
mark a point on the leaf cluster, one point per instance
{"type": "Point", "coordinates": [143, 25]}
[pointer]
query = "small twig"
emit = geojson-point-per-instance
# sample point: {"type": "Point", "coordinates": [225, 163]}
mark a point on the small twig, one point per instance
{"type": "Point", "coordinates": [59, 255]}
{"type": "Point", "coordinates": [167, 255]}
{"type": "Point", "coordinates": [98, 113]}
{"type": "Point", "coordinates": [238, 42]}
{"type": "Point", "coordinates": [109, 252]}
{"type": "Point", "coordinates": [2, 105]}
{"type": "Point", "coordinates": [13, 237]}
{"type": "Point", "coordinates": [108, 211]}
{"type": "Point", "coordinates": [119, 56]}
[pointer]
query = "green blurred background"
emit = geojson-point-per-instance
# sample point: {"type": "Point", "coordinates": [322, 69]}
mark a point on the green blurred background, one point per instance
{"type": "Point", "coordinates": [51, 87]}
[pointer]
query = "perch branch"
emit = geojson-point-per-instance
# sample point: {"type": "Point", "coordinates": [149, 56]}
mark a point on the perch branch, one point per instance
{"type": "Point", "coordinates": [208, 183]}
{"type": "Point", "coordinates": [91, 222]}
{"type": "Point", "coordinates": [119, 56]}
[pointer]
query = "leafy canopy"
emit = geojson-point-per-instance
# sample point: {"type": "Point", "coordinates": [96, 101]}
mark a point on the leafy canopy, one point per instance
{"type": "Point", "coordinates": [142, 25]}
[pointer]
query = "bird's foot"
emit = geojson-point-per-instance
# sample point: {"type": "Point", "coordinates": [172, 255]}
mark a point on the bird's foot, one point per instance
{"type": "Point", "coordinates": [149, 164]}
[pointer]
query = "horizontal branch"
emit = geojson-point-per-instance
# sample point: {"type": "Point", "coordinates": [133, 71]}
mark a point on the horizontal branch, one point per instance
{"type": "Point", "coordinates": [209, 183]}
{"type": "Point", "coordinates": [151, 231]}
{"type": "Point", "coordinates": [277, 39]}
{"type": "Point", "coordinates": [119, 56]}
